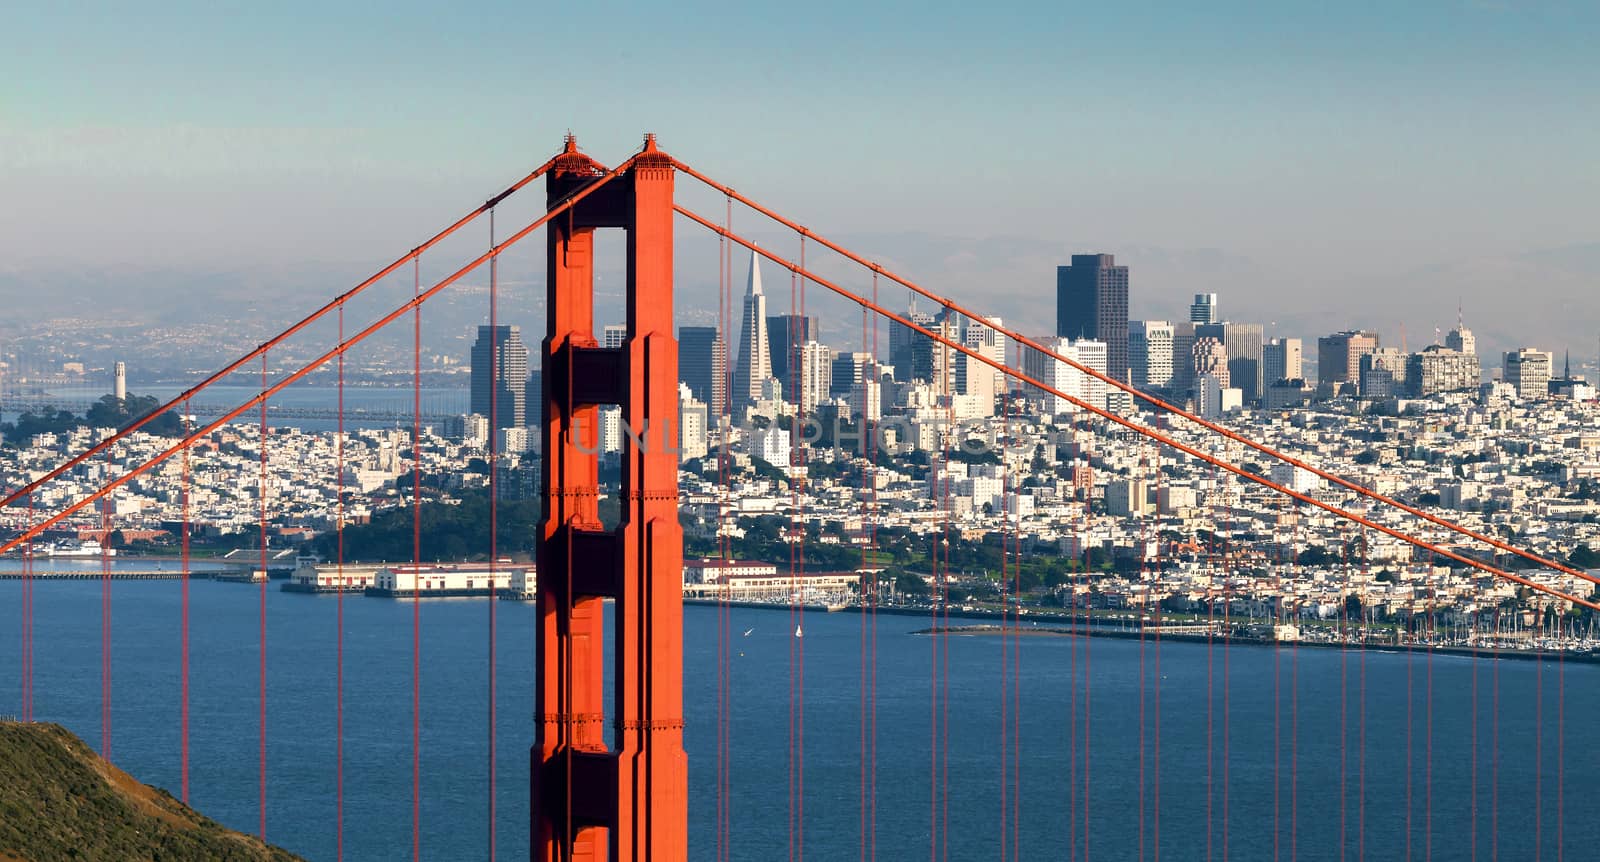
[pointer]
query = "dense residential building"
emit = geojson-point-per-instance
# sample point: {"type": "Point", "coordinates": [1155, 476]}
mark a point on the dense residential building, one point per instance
{"type": "Point", "coordinates": [1383, 373]}
{"type": "Point", "coordinates": [753, 366]}
{"type": "Point", "coordinates": [1441, 369]}
{"type": "Point", "coordinates": [1339, 356]}
{"type": "Point", "coordinates": [1528, 372]}
{"type": "Point", "coordinates": [785, 334]}
{"type": "Point", "coordinates": [1092, 303]}
{"type": "Point", "coordinates": [1150, 353]}
{"type": "Point", "coordinates": [703, 365]}
{"type": "Point", "coordinates": [1063, 377]}
{"type": "Point", "coordinates": [1204, 309]}
{"type": "Point", "coordinates": [500, 376]}
{"type": "Point", "coordinates": [1282, 359]}
{"type": "Point", "coordinates": [1243, 344]}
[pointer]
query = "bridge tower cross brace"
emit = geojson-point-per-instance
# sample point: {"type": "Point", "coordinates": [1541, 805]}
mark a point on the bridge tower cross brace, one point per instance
{"type": "Point", "coordinates": [592, 801]}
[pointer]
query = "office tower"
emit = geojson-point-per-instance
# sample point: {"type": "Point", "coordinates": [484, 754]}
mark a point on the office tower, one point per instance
{"type": "Point", "coordinates": [1092, 303]}
{"type": "Point", "coordinates": [500, 376]}
{"type": "Point", "coordinates": [1150, 353]}
{"type": "Point", "coordinates": [785, 334]}
{"type": "Point", "coordinates": [1339, 356]}
{"type": "Point", "coordinates": [910, 352]}
{"type": "Point", "coordinates": [1528, 372]}
{"type": "Point", "coordinates": [1243, 344]}
{"type": "Point", "coordinates": [1281, 359]}
{"type": "Point", "coordinates": [1441, 369]}
{"type": "Point", "coordinates": [1063, 377]}
{"type": "Point", "coordinates": [1204, 309]}
{"type": "Point", "coordinates": [1182, 357]}
{"type": "Point", "coordinates": [753, 366]}
{"type": "Point", "coordinates": [1383, 373]}
{"type": "Point", "coordinates": [1209, 357]}
{"type": "Point", "coordinates": [703, 365]}
{"type": "Point", "coordinates": [613, 336]}
{"type": "Point", "coordinates": [814, 375]}
{"type": "Point", "coordinates": [848, 370]}
{"type": "Point", "coordinates": [119, 381]}
{"type": "Point", "coordinates": [1461, 340]}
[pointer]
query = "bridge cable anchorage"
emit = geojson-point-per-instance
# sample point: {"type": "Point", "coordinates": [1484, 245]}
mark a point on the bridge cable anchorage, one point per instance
{"type": "Point", "coordinates": [239, 363]}
{"type": "Point", "coordinates": [1153, 434]}
{"type": "Point", "coordinates": [188, 439]}
{"type": "Point", "coordinates": [1024, 340]}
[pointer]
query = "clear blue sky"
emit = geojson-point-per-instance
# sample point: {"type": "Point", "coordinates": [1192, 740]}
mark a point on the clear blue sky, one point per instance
{"type": "Point", "coordinates": [1342, 140]}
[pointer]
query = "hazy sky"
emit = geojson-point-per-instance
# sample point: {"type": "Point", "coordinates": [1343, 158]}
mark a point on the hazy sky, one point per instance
{"type": "Point", "coordinates": [1298, 157]}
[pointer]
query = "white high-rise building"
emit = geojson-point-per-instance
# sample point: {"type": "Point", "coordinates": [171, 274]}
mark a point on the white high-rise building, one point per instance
{"type": "Point", "coordinates": [1063, 377]}
{"type": "Point", "coordinates": [692, 431]}
{"type": "Point", "coordinates": [816, 375]}
{"type": "Point", "coordinates": [753, 365]}
{"type": "Point", "coordinates": [1150, 353]}
{"type": "Point", "coordinates": [1528, 371]}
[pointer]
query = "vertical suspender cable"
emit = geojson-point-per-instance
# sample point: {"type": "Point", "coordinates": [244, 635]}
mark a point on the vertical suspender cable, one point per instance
{"type": "Point", "coordinates": [494, 516]}
{"type": "Point", "coordinates": [343, 585]}
{"type": "Point", "coordinates": [183, 670]}
{"type": "Point", "coordinates": [416, 562]}
{"type": "Point", "coordinates": [261, 668]}
{"type": "Point", "coordinates": [105, 625]}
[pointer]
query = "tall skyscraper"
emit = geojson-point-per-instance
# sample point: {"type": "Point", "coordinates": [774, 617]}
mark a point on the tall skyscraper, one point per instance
{"type": "Point", "coordinates": [1339, 356]}
{"type": "Point", "coordinates": [1204, 309]}
{"type": "Point", "coordinates": [1150, 353]}
{"type": "Point", "coordinates": [703, 366]}
{"type": "Point", "coordinates": [1092, 303]}
{"type": "Point", "coordinates": [753, 366]}
{"type": "Point", "coordinates": [1182, 357]}
{"type": "Point", "coordinates": [613, 336]}
{"type": "Point", "coordinates": [1528, 371]}
{"type": "Point", "coordinates": [500, 376]}
{"type": "Point", "coordinates": [785, 334]}
{"type": "Point", "coordinates": [1243, 343]}
{"type": "Point", "coordinates": [911, 352]}
{"type": "Point", "coordinates": [1282, 359]}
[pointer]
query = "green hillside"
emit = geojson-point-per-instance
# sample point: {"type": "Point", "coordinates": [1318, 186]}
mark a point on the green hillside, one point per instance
{"type": "Point", "coordinates": [60, 801]}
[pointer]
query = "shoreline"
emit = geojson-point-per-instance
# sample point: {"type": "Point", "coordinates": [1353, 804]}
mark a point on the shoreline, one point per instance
{"type": "Point", "coordinates": [1189, 637]}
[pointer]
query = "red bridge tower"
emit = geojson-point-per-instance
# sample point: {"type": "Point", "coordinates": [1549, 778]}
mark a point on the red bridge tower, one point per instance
{"type": "Point", "coordinates": [591, 801]}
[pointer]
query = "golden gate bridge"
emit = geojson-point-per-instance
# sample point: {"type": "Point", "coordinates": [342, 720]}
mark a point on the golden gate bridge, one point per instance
{"type": "Point", "coordinates": [625, 796]}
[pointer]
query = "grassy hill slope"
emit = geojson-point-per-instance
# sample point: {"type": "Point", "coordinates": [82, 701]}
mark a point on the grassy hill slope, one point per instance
{"type": "Point", "coordinates": [60, 801]}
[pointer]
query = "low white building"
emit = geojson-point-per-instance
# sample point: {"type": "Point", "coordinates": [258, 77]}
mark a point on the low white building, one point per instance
{"type": "Point", "coordinates": [443, 580]}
